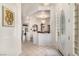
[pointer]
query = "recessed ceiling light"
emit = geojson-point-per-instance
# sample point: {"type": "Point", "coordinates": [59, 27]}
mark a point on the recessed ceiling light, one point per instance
{"type": "Point", "coordinates": [43, 21]}
{"type": "Point", "coordinates": [42, 15]}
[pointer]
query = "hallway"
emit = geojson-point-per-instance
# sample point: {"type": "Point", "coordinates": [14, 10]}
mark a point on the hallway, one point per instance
{"type": "Point", "coordinates": [30, 49]}
{"type": "Point", "coordinates": [52, 28]}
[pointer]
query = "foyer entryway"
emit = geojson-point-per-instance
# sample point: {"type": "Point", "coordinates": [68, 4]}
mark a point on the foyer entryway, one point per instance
{"type": "Point", "coordinates": [38, 34]}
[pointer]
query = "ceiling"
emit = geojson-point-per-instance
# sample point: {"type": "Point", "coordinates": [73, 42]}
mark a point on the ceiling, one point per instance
{"type": "Point", "coordinates": [28, 8]}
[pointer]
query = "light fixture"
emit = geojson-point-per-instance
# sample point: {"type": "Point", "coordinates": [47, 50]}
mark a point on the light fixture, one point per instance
{"type": "Point", "coordinates": [43, 21]}
{"type": "Point", "coordinates": [42, 15]}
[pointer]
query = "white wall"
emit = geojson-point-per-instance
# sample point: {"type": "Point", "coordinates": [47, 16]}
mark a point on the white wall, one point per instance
{"type": "Point", "coordinates": [44, 39]}
{"type": "Point", "coordinates": [10, 37]}
{"type": "Point", "coordinates": [53, 25]}
{"type": "Point", "coordinates": [64, 44]}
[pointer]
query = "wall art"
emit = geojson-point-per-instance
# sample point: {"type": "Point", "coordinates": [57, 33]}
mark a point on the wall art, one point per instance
{"type": "Point", "coordinates": [7, 17]}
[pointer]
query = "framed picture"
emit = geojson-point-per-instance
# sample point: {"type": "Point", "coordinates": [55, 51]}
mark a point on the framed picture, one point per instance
{"type": "Point", "coordinates": [45, 28]}
{"type": "Point", "coordinates": [7, 17]}
{"type": "Point", "coordinates": [35, 27]}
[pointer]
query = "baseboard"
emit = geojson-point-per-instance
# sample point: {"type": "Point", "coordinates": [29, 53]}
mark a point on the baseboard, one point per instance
{"type": "Point", "coordinates": [60, 52]}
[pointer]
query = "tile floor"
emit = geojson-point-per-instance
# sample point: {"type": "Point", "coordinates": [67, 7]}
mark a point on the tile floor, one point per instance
{"type": "Point", "coordinates": [29, 49]}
